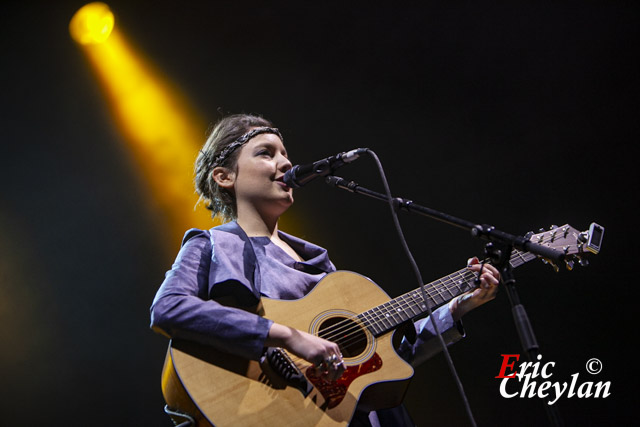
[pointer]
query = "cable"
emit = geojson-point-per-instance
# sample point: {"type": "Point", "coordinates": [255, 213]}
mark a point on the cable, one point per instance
{"type": "Point", "coordinates": [421, 284]}
{"type": "Point", "coordinates": [189, 420]}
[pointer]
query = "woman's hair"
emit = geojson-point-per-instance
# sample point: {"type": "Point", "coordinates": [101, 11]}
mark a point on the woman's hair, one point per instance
{"type": "Point", "coordinates": [220, 201]}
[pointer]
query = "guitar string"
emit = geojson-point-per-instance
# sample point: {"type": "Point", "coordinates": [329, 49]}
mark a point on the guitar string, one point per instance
{"type": "Point", "coordinates": [353, 335]}
{"type": "Point", "coordinates": [344, 337]}
{"type": "Point", "coordinates": [387, 314]}
{"type": "Point", "coordinates": [354, 327]}
{"type": "Point", "coordinates": [401, 306]}
{"type": "Point", "coordinates": [347, 332]}
{"type": "Point", "coordinates": [381, 316]}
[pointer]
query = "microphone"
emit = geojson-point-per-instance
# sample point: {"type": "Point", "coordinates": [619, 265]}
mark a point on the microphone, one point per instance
{"type": "Point", "coordinates": [300, 175]}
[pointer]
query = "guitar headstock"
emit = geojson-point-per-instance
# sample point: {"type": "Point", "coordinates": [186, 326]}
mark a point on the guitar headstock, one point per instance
{"type": "Point", "coordinates": [575, 244]}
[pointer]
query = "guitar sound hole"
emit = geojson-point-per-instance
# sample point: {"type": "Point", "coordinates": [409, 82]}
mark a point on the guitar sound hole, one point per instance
{"type": "Point", "coordinates": [348, 334]}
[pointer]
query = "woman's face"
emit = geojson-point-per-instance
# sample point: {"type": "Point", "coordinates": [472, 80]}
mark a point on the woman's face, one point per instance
{"type": "Point", "coordinates": [258, 183]}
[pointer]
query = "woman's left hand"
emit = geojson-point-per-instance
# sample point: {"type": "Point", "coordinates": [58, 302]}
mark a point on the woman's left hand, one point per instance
{"type": "Point", "coordinates": [485, 292]}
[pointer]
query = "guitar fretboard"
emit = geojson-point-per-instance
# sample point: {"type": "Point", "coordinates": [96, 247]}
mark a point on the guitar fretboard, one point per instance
{"type": "Point", "coordinates": [397, 311]}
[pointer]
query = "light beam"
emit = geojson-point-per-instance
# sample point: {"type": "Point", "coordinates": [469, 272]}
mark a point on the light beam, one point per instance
{"type": "Point", "coordinates": [162, 129]}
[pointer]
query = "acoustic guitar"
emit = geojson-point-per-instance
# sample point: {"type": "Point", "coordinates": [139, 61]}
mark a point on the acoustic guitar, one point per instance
{"type": "Point", "coordinates": [218, 388]}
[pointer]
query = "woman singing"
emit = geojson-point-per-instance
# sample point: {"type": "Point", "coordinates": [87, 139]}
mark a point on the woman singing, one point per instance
{"type": "Point", "coordinates": [239, 176]}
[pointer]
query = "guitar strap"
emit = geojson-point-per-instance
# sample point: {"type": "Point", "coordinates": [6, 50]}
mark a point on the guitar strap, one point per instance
{"type": "Point", "coordinates": [408, 329]}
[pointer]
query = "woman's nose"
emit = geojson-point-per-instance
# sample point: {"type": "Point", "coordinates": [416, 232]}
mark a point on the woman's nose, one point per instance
{"type": "Point", "coordinates": [284, 164]}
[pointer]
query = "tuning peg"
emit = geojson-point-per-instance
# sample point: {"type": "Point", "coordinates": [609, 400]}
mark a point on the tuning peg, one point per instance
{"type": "Point", "coordinates": [583, 237]}
{"type": "Point", "coordinates": [569, 264]}
{"type": "Point", "coordinates": [553, 265]}
{"type": "Point", "coordinates": [583, 262]}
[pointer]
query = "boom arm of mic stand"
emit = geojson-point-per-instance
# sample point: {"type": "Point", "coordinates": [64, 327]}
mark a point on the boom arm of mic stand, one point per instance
{"type": "Point", "coordinates": [482, 231]}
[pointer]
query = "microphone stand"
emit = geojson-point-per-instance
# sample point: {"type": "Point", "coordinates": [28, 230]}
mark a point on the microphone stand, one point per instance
{"type": "Point", "coordinates": [498, 249]}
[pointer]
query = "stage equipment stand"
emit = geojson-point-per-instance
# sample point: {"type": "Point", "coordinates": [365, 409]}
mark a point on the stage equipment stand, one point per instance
{"type": "Point", "coordinates": [498, 249]}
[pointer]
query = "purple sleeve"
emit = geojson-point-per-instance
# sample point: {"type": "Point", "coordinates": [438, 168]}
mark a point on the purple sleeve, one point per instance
{"type": "Point", "coordinates": [182, 308]}
{"type": "Point", "coordinates": [427, 343]}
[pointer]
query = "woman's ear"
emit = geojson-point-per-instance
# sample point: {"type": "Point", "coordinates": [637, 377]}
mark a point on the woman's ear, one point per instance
{"type": "Point", "coordinates": [224, 177]}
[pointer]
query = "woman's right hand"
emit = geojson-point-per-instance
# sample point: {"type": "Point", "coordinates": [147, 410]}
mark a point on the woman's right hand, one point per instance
{"type": "Point", "coordinates": [324, 354]}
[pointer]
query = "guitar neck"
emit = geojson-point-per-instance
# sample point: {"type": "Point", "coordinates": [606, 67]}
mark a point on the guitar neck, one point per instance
{"type": "Point", "coordinates": [388, 316]}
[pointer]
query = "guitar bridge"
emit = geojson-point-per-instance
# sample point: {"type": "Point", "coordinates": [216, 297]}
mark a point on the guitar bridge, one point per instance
{"type": "Point", "coordinates": [281, 372]}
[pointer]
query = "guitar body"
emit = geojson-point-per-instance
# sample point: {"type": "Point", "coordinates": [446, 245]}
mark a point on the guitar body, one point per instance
{"type": "Point", "coordinates": [221, 389]}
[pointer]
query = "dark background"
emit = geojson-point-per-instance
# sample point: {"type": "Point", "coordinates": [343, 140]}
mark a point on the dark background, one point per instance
{"type": "Point", "coordinates": [516, 114]}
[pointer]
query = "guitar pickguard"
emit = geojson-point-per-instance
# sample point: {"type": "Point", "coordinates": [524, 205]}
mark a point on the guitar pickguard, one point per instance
{"type": "Point", "coordinates": [334, 391]}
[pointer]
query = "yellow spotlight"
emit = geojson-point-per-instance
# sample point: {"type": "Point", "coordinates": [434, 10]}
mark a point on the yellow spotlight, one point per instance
{"type": "Point", "coordinates": [92, 23]}
{"type": "Point", "coordinates": [161, 127]}
{"type": "Point", "coordinates": [163, 131]}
